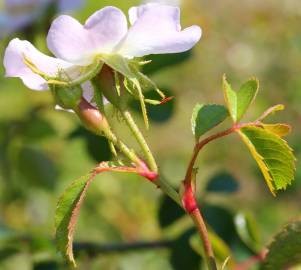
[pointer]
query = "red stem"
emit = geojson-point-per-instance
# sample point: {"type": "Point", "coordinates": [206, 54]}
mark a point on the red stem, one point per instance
{"type": "Point", "coordinates": [198, 147]}
{"type": "Point", "coordinates": [188, 197]}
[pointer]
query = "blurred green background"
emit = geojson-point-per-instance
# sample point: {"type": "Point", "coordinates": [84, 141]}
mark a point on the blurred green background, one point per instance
{"type": "Point", "coordinates": [125, 223]}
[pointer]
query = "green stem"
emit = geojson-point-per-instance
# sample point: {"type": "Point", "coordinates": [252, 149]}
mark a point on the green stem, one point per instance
{"type": "Point", "coordinates": [140, 139]}
{"type": "Point", "coordinates": [130, 154]}
{"type": "Point", "coordinates": [168, 190]}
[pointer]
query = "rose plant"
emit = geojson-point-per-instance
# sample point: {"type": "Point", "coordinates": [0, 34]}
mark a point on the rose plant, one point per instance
{"type": "Point", "coordinates": [99, 62]}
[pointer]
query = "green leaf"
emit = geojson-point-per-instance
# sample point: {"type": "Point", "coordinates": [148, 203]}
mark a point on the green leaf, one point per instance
{"type": "Point", "coordinates": [206, 117]}
{"type": "Point", "coordinates": [67, 212]}
{"type": "Point", "coordinates": [239, 102]}
{"type": "Point", "coordinates": [270, 111]}
{"type": "Point", "coordinates": [68, 207]}
{"type": "Point", "coordinates": [273, 155]}
{"type": "Point", "coordinates": [285, 250]}
{"type": "Point", "coordinates": [247, 230]}
{"type": "Point", "coordinates": [281, 130]}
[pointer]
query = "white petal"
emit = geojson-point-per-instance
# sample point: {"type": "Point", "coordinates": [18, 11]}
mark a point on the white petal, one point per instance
{"type": "Point", "coordinates": [88, 92]}
{"type": "Point", "coordinates": [156, 29]}
{"type": "Point", "coordinates": [69, 40]}
{"type": "Point", "coordinates": [15, 66]}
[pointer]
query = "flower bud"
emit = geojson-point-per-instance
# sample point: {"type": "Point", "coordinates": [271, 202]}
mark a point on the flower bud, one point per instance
{"type": "Point", "coordinates": [92, 117]}
{"type": "Point", "coordinates": [107, 82]}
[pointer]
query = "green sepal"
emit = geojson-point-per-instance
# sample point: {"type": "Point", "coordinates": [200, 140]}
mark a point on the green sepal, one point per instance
{"type": "Point", "coordinates": [65, 97]}
{"type": "Point", "coordinates": [134, 82]}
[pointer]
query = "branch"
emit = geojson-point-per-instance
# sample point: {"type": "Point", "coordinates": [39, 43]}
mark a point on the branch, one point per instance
{"type": "Point", "coordinates": [199, 146]}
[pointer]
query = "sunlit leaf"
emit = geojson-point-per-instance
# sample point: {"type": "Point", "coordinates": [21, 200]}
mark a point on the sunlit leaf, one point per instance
{"type": "Point", "coordinates": [68, 207]}
{"type": "Point", "coordinates": [285, 250]}
{"type": "Point", "coordinates": [247, 230]}
{"type": "Point", "coordinates": [67, 212]}
{"type": "Point", "coordinates": [273, 156]}
{"type": "Point", "coordinates": [281, 130]}
{"type": "Point", "coordinates": [270, 111]}
{"type": "Point", "coordinates": [206, 117]}
{"type": "Point", "coordinates": [238, 102]}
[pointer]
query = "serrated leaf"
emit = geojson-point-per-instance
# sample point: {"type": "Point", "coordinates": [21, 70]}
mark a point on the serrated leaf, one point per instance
{"type": "Point", "coordinates": [285, 250]}
{"type": "Point", "coordinates": [271, 110]}
{"type": "Point", "coordinates": [206, 117]}
{"type": "Point", "coordinates": [238, 102]}
{"type": "Point", "coordinates": [68, 207]}
{"type": "Point", "coordinates": [67, 212]}
{"type": "Point", "coordinates": [247, 230]}
{"type": "Point", "coordinates": [281, 130]}
{"type": "Point", "coordinates": [273, 156]}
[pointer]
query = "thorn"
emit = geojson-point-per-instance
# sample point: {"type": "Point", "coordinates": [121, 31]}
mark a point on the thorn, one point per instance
{"type": "Point", "coordinates": [165, 100]}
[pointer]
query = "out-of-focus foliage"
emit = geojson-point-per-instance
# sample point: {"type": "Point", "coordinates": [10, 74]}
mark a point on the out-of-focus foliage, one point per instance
{"type": "Point", "coordinates": [42, 150]}
{"type": "Point", "coordinates": [284, 251]}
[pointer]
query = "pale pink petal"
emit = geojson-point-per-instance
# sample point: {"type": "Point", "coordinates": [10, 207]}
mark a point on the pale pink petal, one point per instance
{"type": "Point", "coordinates": [15, 66]}
{"type": "Point", "coordinates": [156, 29]}
{"type": "Point", "coordinates": [69, 40]}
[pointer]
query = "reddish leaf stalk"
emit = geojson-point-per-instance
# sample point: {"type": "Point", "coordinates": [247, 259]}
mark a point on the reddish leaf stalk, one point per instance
{"type": "Point", "coordinates": [143, 170]}
{"type": "Point", "coordinates": [199, 146]}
